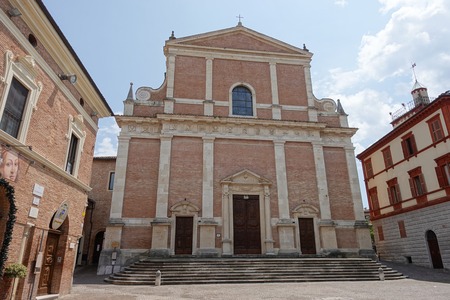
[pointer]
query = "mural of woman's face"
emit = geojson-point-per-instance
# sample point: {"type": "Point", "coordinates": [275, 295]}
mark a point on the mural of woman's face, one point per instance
{"type": "Point", "coordinates": [10, 166]}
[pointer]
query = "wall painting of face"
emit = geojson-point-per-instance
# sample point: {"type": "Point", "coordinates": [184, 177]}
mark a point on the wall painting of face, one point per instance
{"type": "Point", "coordinates": [9, 164]}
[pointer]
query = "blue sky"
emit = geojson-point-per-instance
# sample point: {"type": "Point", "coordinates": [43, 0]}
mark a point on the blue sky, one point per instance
{"type": "Point", "coordinates": [363, 50]}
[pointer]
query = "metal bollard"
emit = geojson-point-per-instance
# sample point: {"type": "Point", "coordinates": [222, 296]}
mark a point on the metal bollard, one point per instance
{"type": "Point", "coordinates": [158, 278]}
{"type": "Point", "coordinates": [381, 273]}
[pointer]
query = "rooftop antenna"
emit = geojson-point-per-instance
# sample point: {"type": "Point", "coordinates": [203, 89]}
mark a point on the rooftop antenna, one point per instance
{"type": "Point", "coordinates": [414, 71]}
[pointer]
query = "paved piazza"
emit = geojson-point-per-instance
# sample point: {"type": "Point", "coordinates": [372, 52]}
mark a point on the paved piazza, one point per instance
{"type": "Point", "coordinates": [404, 289]}
{"type": "Point", "coordinates": [423, 283]}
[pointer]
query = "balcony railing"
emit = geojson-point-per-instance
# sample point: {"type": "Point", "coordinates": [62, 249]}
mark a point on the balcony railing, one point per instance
{"type": "Point", "coordinates": [412, 105]}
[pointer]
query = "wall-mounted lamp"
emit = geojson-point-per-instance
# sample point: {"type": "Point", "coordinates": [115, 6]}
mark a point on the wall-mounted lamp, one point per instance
{"type": "Point", "coordinates": [71, 77]}
{"type": "Point", "coordinates": [93, 114]}
{"type": "Point", "coordinates": [14, 12]}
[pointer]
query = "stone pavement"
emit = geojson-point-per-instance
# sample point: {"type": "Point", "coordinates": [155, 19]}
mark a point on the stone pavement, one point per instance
{"type": "Point", "coordinates": [423, 283]}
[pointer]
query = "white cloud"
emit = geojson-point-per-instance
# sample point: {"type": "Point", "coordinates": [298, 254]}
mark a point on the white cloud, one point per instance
{"type": "Point", "coordinates": [105, 148]}
{"type": "Point", "coordinates": [106, 144]}
{"type": "Point", "coordinates": [416, 32]}
{"type": "Point", "coordinates": [109, 127]}
{"type": "Point", "coordinates": [341, 3]}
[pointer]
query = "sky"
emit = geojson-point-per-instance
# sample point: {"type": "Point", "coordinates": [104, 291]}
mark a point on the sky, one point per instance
{"type": "Point", "coordinates": [363, 50]}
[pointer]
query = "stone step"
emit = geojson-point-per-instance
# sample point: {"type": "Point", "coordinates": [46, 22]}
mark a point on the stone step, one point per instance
{"type": "Point", "coordinates": [246, 270]}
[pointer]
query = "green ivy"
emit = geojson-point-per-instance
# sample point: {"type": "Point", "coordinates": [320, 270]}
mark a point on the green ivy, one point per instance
{"type": "Point", "coordinates": [4, 185]}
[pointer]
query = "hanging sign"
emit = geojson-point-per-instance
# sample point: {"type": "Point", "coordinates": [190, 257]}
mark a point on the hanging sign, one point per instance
{"type": "Point", "coordinates": [60, 215]}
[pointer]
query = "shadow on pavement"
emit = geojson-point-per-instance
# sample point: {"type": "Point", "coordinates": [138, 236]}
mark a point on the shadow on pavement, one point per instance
{"type": "Point", "coordinates": [420, 273]}
{"type": "Point", "coordinates": [88, 275]}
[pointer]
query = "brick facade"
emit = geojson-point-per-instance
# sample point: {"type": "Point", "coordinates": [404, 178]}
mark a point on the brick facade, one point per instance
{"type": "Point", "coordinates": [199, 159]}
{"type": "Point", "coordinates": [54, 112]}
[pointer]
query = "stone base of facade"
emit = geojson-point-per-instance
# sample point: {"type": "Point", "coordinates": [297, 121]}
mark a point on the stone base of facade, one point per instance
{"type": "Point", "coordinates": [208, 253]}
{"type": "Point", "coordinates": [163, 253]}
{"type": "Point", "coordinates": [288, 253]}
{"type": "Point", "coordinates": [368, 253]}
{"type": "Point", "coordinates": [349, 253]}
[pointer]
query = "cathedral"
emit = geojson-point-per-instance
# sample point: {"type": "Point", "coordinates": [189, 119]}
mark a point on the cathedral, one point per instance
{"type": "Point", "coordinates": [234, 155]}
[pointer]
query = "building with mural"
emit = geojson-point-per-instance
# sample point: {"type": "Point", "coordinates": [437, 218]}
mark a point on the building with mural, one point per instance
{"type": "Point", "coordinates": [49, 110]}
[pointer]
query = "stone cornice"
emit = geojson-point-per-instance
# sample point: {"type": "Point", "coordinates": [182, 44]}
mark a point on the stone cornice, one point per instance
{"type": "Point", "coordinates": [238, 54]}
{"type": "Point", "coordinates": [233, 128]}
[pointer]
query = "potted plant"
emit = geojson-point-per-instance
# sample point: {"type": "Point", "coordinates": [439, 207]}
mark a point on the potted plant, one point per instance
{"type": "Point", "coordinates": [11, 272]}
{"type": "Point", "coordinates": [15, 270]}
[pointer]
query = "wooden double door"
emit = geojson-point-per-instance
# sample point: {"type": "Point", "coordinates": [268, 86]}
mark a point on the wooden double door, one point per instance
{"type": "Point", "coordinates": [246, 224]}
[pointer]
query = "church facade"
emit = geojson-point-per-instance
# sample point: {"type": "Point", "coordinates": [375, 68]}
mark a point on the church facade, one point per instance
{"type": "Point", "coordinates": [234, 155]}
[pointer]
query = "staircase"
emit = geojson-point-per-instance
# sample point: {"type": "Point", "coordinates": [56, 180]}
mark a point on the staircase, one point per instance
{"type": "Point", "coordinates": [250, 270]}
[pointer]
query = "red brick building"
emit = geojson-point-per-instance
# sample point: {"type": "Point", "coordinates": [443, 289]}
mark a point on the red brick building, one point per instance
{"type": "Point", "coordinates": [234, 155]}
{"type": "Point", "coordinates": [49, 109]}
{"type": "Point", "coordinates": [98, 209]}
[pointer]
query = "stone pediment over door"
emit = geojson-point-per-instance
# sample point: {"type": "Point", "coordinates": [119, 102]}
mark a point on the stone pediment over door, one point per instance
{"type": "Point", "coordinates": [239, 38]}
{"type": "Point", "coordinates": [245, 177]}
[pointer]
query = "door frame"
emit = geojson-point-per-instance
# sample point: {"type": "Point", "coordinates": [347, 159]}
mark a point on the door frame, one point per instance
{"type": "Point", "coordinates": [260, 220]}
{"type": "Point", "coordinates": [307, 211]}
{"type": "Point", "coordinates": [192, 237]}
{"type": "Point", "coordinates": [184, 209]}
{"type": "Point", "coordinates": [96, 256]}
{"type": "Point", "coordinates": [56, 234]}
{"type": "Point", "coordinates": [435, 260]}
{"type": "Point", "coordinates": [246, 182]}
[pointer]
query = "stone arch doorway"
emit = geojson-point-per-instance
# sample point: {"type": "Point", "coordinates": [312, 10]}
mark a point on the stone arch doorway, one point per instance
{"type": "Point", "coordinates": [54, 251]}
{"type": "Point", "coordinates": [306, 218]}
{"type": "Point", "coordinates": [98, 246]}
{"type": "Point", "coordinates": [236, 190]}
{"type": "Point", "coordinates": [433, 248]}
{"type": "Point", "coordinates": [184, 230]}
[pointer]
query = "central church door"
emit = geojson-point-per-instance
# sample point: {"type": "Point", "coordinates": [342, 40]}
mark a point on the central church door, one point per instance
{"type": "Point", "coordinates": [246, 222]}
{"type": "Point", "coordinates": [183, 235]}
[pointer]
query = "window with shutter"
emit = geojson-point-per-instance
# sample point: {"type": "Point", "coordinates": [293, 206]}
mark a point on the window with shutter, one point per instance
{"type": "Point", "coordinates": [387, 157]}
{"type": "Point", "coordinates": [435, 126]}
{"type": "Point", "coordinates": [409, 145]}
{"type": "Point", "coordinates": [393, 191]}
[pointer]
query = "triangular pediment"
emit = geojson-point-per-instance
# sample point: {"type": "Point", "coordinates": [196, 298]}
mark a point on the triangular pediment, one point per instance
{"type": "Point", "coordinates": [239, 38]}
{"type": "Point", "coordinates": [245, 177]}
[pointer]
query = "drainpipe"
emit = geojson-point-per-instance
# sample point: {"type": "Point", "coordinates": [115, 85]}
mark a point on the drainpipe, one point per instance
{"type": "Point", "coordinates": [26, 233]}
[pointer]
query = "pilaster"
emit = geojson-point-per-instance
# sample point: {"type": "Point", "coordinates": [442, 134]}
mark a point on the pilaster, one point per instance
{"type": "Point", "coordinates": [208, 177]}
{"type": "Point", "coordinates": [207, 224]}
{"type": "Point", "coordinates": [327, 229]}
{"type": "Point", "coordinates": [309, 93]}
{"type": "Point", "coordinates": [321, 177]}
{"type": "Point", "coordinates": [285, 225]}
{"type": "Point", "coordinates": [209, 74]}
{"type": "Point", "coordinates": [120, 177]}
{"type": "Point", "coordinates": [362, 229]}
{"type": "Point", "coordinates": [276, 108]}
{"type": "Point", "coordinates": [312, 111]}
{"type": "Point", "coordinates": [280, 165]}
{"type": "Point", "coordinates": [170, 76]}
{"type": "Point", "coordinates": [162, 197]}
{"type": "Point", "coordinates": [208, 104]}
{"type": "Point", "coordinates": [268, 226]}
{"type": "Point", "coordinates": [227, 249]}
